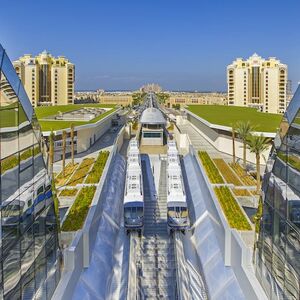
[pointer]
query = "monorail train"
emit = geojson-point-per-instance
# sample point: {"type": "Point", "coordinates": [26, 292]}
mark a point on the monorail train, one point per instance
{"type": "Point", "coordinates": [176, 198]}
{"type": "Point", "coordinates": [133, 194]}
{"type": "Point", "coordinates": [28, 201]}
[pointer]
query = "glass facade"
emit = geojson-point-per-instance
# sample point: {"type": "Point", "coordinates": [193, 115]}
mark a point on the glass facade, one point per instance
{"type": "Point", "coordinates": [278, 263]}
{"type": "Point", "coordinates": [29, 265]}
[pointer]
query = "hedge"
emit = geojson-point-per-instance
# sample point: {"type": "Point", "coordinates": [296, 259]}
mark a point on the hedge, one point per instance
{"type": "Point", "coordinates": [210, 168]}
{"type": "Point", "coordinates": [68, 193]}
{"type": "Point", "coordinates": [231, 209]}
{"type": "Point", "coordinates": [79, 210]}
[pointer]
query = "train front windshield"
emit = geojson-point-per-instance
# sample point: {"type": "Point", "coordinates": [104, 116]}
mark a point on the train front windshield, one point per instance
{"type": "Point", "coordinates": [178, 212]}
{"type": "Point", "coordinates": [133, 212]}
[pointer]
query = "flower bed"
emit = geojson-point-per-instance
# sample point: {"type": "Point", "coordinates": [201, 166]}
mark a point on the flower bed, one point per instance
{"type": "Point", "coordinates": [210, 168]}
{"type": "Point", "coordinates": [79, 210]}
{"type": "Point", "coordinates": [231, 209]}
{"type": "Point", "coordinates": [97, 170]}
{"type": "Point", "coordinates": [60, 179]}
{"type": "Point", "coordinates": [68, 193]}
{"type": "Point", "coordinates": [227, 172]}
{"type": "Point", "coordinates": [81, 172]}
{"type": "Point", "coordinates": [245, 178]}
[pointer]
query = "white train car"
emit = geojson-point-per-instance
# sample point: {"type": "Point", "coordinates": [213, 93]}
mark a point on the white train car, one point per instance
{"type": "Point", "coordinates": [176, 197]}
{"type": "Point", "coordinates": [133, 194]}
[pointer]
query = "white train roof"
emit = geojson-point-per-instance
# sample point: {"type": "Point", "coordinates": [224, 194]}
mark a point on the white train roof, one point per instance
{"type": "Point", "coordinates": [134, 184]}
{"type": "Point", "coordinates": [176, 192]}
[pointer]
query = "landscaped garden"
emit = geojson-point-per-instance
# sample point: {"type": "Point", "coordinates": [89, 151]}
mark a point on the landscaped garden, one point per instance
{"type": "Point", "coordinates": [61, 179]}
{"type": "Point", "coordinates": [210, 168]}
{"type": "Point", "coordinates": [97, 170]}
{"type": "Point", "coordinates": [42, 112]}
{"type": "Point", "coordinates": [228, 115]}
{"type": "Point", "coordinates": [68, 193]}
{"type": "Point", "coordinates": [81, 172]}
{"type": "Point", "coordinates": [244, 177]}
{"type": "Point", "coordinates": [79, 210]}
{"type": "Point", "coordinates": [231, 209]}
{"type": "Point", "coordinates": [227, 172]}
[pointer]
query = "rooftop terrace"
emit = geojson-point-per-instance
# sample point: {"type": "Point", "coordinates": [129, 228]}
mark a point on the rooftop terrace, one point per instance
{"type": "Point", "coordinates": [228, 115]}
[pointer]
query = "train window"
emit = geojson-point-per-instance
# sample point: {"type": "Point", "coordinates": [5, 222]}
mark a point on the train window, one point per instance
{"type": "Point", "coordinates": [29, 202]}
{"type": "Point", "coordinates": [140, 211]}
{"type": "Point", "coordinates": [40, 190]}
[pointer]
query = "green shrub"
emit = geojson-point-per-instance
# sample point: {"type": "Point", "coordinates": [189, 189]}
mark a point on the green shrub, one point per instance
{"type": "Point", "coordinates": [231, 209]}
{"type": "Point", "coordinates": [210, 168]}
{"type": "Point", "coordinates": [97, 170]}
{"type": "Point", "coordinates": [79, 210]}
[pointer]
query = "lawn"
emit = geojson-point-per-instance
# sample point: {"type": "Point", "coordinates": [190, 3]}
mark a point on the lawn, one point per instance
{"type": "Point", "coordinates": [227, 115]}
{"type": "Point", "coordinates": [46, 111]}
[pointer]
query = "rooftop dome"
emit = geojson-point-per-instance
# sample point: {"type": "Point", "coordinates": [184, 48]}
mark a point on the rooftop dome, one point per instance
{"type": "Point", "coordinates": [152, 116]}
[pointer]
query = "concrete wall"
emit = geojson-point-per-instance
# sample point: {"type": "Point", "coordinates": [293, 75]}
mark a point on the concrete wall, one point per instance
{"type": "Point", "coordinates": [222, 142]}
{"type": "Point", "coordinates": [77, 256]}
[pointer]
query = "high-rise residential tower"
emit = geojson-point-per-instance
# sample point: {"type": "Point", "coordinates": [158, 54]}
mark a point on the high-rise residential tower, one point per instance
{"type": "Point", "coordinates": [278, 251]}
{"type": "Point", "coordinates": [29, 252]}
{"type": "Point", "coordinates": [47, 80]}
{"type": "Point", "coordinates": [259, 83]}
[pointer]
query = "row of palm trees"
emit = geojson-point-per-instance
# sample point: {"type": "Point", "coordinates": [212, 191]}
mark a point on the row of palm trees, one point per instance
{"type": "Point", "coordinates": [257, 144]}
{"type": "Point", "coordinates": [64, 146]}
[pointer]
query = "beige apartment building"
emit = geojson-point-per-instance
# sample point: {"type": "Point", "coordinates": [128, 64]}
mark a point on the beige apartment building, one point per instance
{"type": "Point", "coordinates": [182, 98]}
{"type": "Point", "coordinates": [47, 80]}
{"type": "Point", "coordinates": [259, 83]}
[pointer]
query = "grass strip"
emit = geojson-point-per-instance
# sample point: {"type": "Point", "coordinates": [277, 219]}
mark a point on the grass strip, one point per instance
{"type": "Point", "coordinates": [60, 179]}
{"type": "Point", "coordinates": [210, 168]}
{"type": "Point", "coordinates": [81, 172]}
{"type": "Point", "coordinates": [231, 209]}
{"type": "Point", "coordinates": [245, 178]}
{"type": "Point", "coordinates": [227, 172]}
{"type": "Point", "coordinates": [97, 170]}
{"type": "Point", "coordinates": [68, 193]}
{"type": "Point", "coordinates": [79, 210]}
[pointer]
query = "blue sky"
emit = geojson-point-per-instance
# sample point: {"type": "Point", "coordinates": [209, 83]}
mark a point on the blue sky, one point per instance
{"type": "Point", "coordinates": [182, 45]}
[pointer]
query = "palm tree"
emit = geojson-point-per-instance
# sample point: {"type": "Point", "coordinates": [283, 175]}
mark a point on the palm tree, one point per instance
{"type": "Point", "coordinates": [72, 143]}
{"type": "Point", "coordinates": [233, 142]}
{"type": "Point", "coordinates": [64, 137]}
{"type": "Point", "coordinates": [243, 130]}
{"type": "Point", "coordinates": [258, 144]}
{"type": "Point", "coordinates": [51, 152]}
